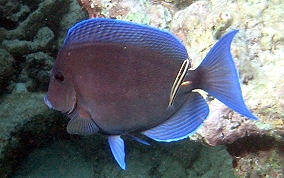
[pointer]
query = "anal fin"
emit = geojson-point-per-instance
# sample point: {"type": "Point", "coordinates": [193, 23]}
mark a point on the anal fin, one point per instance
{"type": "Point", "coordinates": [183, 123]}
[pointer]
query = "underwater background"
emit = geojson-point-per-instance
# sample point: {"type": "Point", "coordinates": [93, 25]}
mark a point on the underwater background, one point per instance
{"type": "Point", "coordinates": [34, 141]}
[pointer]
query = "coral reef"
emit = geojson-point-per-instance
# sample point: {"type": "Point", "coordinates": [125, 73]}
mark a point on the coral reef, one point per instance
{"type": "Point", "coordinates": [6, 69]}
{"type": "Point", "coordinates": [30, 125]}
{"type": "Point", "coordinates": [37, 66]}
{"type": "Point", "coordinates": [257, 156]}
{"type": "Point", "coordinates": [159, 160]}
{"type": "Point", "coordinates": [31, 33]}
{"type": "Point", "coordinates": [28, 27]}
{"type": "Point", "coordinates": [146, 12]}
{"type": "Point", "coordinates": [41, 42]}
{"type": "Point", "coordinates": [257, 50]}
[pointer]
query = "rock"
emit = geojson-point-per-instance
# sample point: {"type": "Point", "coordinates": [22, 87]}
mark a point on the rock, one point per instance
{"type": "Point", "coordinates": [6, 69]}
{"type": "Point", "coordinates": [147, 12]}
{"type": "Point", "coordinates": [8, 11]}
{"type": "Point", "coordinates": [37, 68]}
{"type": "Point", "coordinates": [46, 14]}
{"type": "Point", "coordinates": [26, 123]}
{"type": "Point", "coordinates": [2, 34]}
{"type": "Point", "coordinates": [42, 41]}
{"type": "Point", "coordinates": [74, 15]}
{"type": "Point", "coordinates": [257, 50]}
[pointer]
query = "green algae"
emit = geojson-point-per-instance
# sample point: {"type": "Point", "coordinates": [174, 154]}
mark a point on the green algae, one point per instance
{"type": "Point", "coordinates": [138, 17]}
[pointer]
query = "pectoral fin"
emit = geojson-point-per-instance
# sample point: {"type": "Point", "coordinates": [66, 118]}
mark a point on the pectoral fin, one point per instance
{"type": "Point", "coordinates": [82, 124]}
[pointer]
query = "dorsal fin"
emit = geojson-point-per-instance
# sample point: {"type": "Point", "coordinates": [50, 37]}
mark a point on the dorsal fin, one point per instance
{"type": "Point", "coordinates": [127, 33]}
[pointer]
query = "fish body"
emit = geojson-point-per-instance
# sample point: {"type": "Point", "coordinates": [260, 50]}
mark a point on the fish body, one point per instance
{"type": "Point", "coordinates": [116, 90]}
{"type": "Point", "coordinates": [118, 77]}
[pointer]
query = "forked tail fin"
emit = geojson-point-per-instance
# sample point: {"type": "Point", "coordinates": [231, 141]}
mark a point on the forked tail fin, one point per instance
{"type": "Point", "coordinates": [217, 75]}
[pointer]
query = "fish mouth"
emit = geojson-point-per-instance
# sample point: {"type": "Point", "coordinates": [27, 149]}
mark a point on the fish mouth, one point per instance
{"type": "Point", "coordinates": [47, 102]}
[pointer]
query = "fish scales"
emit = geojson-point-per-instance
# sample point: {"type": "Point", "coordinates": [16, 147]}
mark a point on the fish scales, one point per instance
{"type": "Point", "coordinates": [108, 85]}
{"type": "Point", "coordinates": [117, 78]}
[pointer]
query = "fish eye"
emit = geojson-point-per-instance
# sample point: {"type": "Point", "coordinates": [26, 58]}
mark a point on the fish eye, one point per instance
{"type": "Point", "coordinates": [59, 77]}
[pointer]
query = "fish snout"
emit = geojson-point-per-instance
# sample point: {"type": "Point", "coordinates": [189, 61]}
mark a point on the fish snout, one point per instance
{"type": "Point", "coordinates": [47, 102]}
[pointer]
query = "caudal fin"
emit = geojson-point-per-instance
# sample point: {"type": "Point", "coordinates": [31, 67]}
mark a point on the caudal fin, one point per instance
{"type": "Point", "coordinates": [219, 77]}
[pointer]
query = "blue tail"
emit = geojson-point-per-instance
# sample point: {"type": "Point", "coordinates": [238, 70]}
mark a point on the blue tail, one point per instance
{"type": "Point", "coordinates": [219, 77]}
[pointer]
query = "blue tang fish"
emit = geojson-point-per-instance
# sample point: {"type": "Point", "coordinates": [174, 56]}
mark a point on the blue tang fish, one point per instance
{"type": "Point", "coordinates": [117, 78]}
